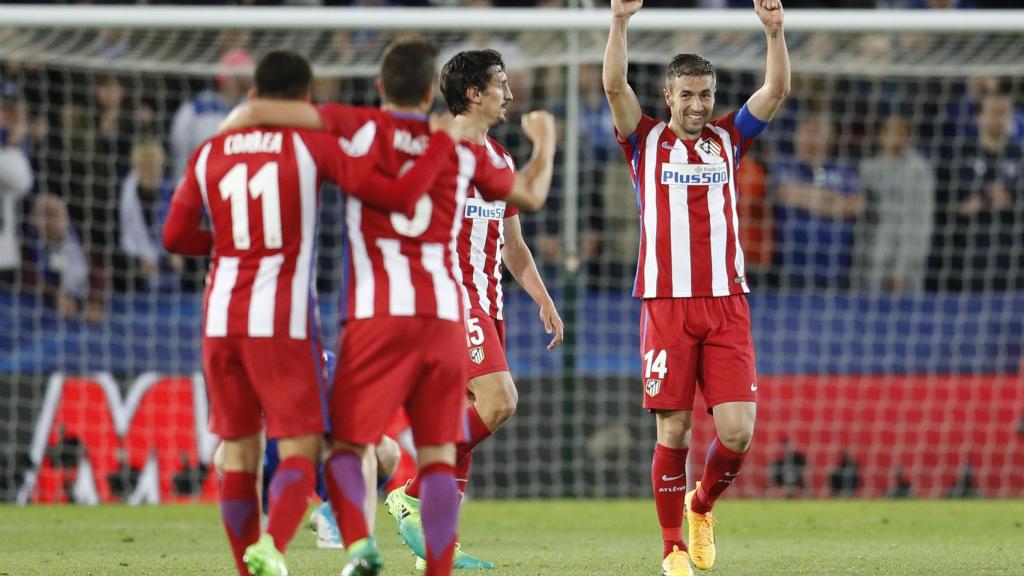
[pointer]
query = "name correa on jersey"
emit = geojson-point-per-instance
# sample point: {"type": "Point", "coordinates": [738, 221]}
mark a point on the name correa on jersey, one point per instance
{"type": "Point", "coordinates": [694, 174]}
{"type": "Point", "coordinates": [481, 209]}
{"type": "Point", "coordinates": [254, 143]}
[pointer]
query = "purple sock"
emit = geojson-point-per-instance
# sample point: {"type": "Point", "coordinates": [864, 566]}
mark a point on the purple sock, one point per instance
{"type": "Point", "coordinates": [440, 512]}
{"type": "Point", "coordinates": [347, 491]}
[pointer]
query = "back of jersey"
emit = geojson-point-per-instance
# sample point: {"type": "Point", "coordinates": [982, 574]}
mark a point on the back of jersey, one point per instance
{"type": "Point", "coordinates": [260, 188]}
{"type": "Point", "coordinates": [401, 265]}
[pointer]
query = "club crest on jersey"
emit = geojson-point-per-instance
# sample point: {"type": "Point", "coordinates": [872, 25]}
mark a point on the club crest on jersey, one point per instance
{"type": "Point", "coordinates": [477, 355]}
{"type": "Point", "coordinates": [478, 209]}
{"type": "Point", "coordinates": [694, 174]}
{"type": "Point", "coordinates": [652, 386]}
{"type": "Point", "coordinates": [709, 147]}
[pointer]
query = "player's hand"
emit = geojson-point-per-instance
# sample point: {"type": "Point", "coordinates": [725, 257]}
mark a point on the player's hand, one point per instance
{"type": "Point", "coordinates": [626, 8]}
{"type": "Point", "coordinates": [539, 126]}
{"type": "Point", "coordinates": [239, 119]}
{"type": "Point", "coordinates": [552, 324]}
{"type": "Point", "coordinates": [770, 13]}
{"type": "Point", "coordinates": [445, 122]}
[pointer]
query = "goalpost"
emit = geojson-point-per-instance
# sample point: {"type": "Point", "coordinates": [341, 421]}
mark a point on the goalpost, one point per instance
{"type": "Point", "coordinates": [890, 334]}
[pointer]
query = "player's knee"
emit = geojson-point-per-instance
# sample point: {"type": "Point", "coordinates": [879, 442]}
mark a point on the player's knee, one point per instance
{"type": "Point", "coordinates": [674, 429]}
{"type": "Point", "coordinates": [736, 439]}
{"type": "Point", "coordinates": [388, 456]}
{"type": "Point", "coordinates": [504, 406]}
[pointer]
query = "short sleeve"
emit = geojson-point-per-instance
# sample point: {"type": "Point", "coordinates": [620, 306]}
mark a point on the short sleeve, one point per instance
{"type": "Point", "coordinates": [495, 174]}
{"type": "Point", "coordinates": [743, 127]}
{"type": "Point", "coordinates": [341, 119]}
{"type": "Point", "coordinates": [632, 144]}
{"type": "Point", "coordinates": [346, 162]}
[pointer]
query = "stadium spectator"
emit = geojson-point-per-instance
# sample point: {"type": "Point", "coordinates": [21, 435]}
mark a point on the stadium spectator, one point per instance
{"type": "Point", "coordinates": [844, 480]}
{"type": "Point", "coordinates": [966, 485]}
{"type": "Point", "coordinates": [755, 214]}
{"type": "Point", "coordinates": [57, 264]}
{"type": "Point", "coordinates": [15, 182]}
{"type": "Point", "coordinates": [977, 244]}
{"type": "Point", "coordinates": [198, 118]}
{"type": "Point", "coordinates": [145, 198]}
{"type": "Point", "coordinates": [898, 186]}
{"type": "Point", "coordinates": [787, 472]}
{"type": "Point", "coordinates": [684, 172]}
{"type": "Point", "coordinates": [961, 117]}
{"type": "Point", "coordinates": [816, 202]}
{"type": "Point", "coordinates": [901, 486]}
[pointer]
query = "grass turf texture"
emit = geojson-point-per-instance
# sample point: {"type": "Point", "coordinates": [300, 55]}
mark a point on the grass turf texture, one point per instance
{"type": "Point", "coordinates": [560, 538]}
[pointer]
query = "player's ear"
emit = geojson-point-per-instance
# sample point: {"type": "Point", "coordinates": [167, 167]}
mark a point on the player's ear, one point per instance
{"type": "Point", "coordinates": [473, 94]}
{"type": "Point", "coordinates": [251, 94]}
{"type": "Point", "coordinates": [307, 96]}
{"type": "Point", "coordinates": [378, 85]}
{"type": "Point", "coordinates": [668, 96]}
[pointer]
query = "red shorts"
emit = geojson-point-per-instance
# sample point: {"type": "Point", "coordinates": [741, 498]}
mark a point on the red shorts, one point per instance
{"type": "Point", "coordinates": [690, 342]}
{"type": "Point", "coordinates": [280, 379]}
{"type": "Point", "coordinates": [387, 363]}
{"type": "Point", "coordinates": [486, 344]}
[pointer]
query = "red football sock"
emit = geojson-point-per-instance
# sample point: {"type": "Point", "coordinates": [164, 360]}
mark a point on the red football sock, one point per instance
{"type": "Point", "coordinates": [463, 460]}
{"type": "Point", "coordinates": [290, 492]}
{"type": "Point", "coordinates": [722, 467]}
{"type": "Point", "coordinates": [240, 512]}
{"type": "Point", "coordinates": [476, 432]}
{"type": "Point", "coordinates": [668, 479]}
{"type": "Point", "coordinates": [347, 491]}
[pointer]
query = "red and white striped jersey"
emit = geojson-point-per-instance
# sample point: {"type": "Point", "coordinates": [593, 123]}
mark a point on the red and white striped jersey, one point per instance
{"type": "Point", "coordinates": [260, 188]}
{"type": "Point", "coordinates": [402, 266]}
{"type": "Point", "coordinates": [686, 194]}
{"type": "Point", "coordinates": [483, 233]}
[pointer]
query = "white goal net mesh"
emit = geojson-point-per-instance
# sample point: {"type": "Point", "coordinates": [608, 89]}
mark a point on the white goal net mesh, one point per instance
{"type": "Point", "coordinates": [882, 217]}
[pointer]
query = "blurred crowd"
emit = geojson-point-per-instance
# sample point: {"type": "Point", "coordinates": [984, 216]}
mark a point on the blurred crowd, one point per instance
{"type": "Point", "coordinates": [863, 182]}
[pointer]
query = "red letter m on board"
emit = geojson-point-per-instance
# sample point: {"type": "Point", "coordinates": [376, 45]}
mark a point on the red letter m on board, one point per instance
{"type": "Point", "coordinates": [92, 444]}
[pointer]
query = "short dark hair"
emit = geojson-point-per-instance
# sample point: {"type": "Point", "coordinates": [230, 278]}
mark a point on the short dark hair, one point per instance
{"type": "Point", "coordinates": [284, 74]}
{"type": "Point", "coordinates": [408, 69]}
{"type": "Point", "coordinates": [468, 69]}
{"type": "Point", "coordinates": [689, 65]}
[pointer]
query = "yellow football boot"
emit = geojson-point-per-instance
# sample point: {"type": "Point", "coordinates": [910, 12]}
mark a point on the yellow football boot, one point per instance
{"type": "Point", "coordinates": [701, 528]}
{"type": "Point", "coordinates": [677, 563]}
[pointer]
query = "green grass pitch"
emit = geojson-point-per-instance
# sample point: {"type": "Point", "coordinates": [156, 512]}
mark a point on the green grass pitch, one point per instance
{"type": "Point", "coordinates": [558, 538]}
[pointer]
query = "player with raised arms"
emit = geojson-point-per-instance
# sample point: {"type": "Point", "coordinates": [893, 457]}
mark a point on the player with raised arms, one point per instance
{"type": "Point", "coordinates": [405, 311]}
{"type": "Point", "coordinates": [476, 89]}
{"type": "Point", "coordinates": [262, 356]}
{"type": "Point", "coordinates": [695, 322]}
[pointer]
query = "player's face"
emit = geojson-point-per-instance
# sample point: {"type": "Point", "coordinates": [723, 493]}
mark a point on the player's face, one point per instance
{"type": "Point", "coordinates": [691, 100]}
{"type": "Point", "coordinates": [497, 98]}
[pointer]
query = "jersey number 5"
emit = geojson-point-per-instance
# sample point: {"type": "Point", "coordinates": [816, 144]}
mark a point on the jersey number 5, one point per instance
{"type": "Point", "coordinates": [236, 186]}
{"type": "Point", "coordinates": [476, 333]}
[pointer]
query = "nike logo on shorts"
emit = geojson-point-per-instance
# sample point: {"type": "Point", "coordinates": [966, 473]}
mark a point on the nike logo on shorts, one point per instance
{"type": "Point", "coordinates": [753, 386]}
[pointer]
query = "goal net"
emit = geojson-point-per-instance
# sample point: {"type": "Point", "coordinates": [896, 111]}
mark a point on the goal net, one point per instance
{"type": "Point", "coordinates": [882, 218]}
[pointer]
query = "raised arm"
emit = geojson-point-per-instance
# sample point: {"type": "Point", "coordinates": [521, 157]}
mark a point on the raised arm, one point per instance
{"type": "Point", "coordinates": [533, 182]}
{"type": "Point", "coordinates": [623, 101]}
{"type": "Point", "coordinates": [271, 112]}
{"type": "Point", "coordinates": [764, 103]}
